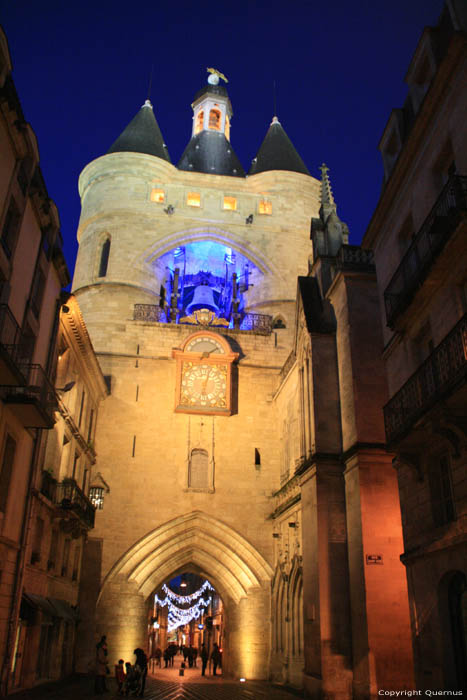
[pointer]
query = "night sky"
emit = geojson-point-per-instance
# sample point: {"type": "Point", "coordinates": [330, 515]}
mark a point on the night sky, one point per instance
{"type": "Point", "coordinates": [82, 72]}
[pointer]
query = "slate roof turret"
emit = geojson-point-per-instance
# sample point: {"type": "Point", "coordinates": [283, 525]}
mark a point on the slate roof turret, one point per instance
{"type": "Point", "coordinates": [277, 152]}
{"type": "Point", "coordinates": [142, 135]}
{"type": "Point", "coordinates": [210, 152]}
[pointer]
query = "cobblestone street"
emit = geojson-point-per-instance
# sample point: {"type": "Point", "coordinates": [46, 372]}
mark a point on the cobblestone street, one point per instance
{"type": "Point", "coordinates": [166, 684]}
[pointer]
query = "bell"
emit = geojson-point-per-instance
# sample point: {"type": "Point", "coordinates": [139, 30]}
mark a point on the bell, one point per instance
{"type": "Point", "coordinates": [203, 298]}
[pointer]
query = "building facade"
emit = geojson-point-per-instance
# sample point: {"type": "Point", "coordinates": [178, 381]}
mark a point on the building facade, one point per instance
{"type": "Point", "coordinates": [50, 386]}
{"type": "Point", "coordinates": [243, 438]}
{"type": "Point", "coordinates": [418, 233]}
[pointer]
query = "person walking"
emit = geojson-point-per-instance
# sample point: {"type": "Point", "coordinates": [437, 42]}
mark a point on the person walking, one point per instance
{"type": "Point", "coordinates": [204, 659]}
{"type": "Point", "coordinates": [141, 665]}
{"type": "Point", "coordinates": [102, 668]}
{"type": "Point", "coordinates": [215, 658]}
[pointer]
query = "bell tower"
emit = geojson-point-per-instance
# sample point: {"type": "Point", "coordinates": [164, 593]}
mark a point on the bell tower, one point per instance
{"type": "Point", "coordinates": [212, 110]}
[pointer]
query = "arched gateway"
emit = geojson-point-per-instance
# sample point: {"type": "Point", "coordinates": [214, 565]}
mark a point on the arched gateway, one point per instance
{"type": "Point", "coordinates": [203, 544]}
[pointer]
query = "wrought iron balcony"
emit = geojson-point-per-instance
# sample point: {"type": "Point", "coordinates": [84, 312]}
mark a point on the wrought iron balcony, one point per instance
{"type": "Point", "coordinates": [69, 497]}
{"type": "Point", "coordinates": [443, 371]}
{"type": "Point", "coordinates": [258, 323]}
{"type": "Point", "coordinates": [34, 403]}
{"type": "Point", "coordinates": [15, 349]}
{"type": "Point", "coordinates": [450, 208]}
{"type": "Point", "coordinates": [353, 257]}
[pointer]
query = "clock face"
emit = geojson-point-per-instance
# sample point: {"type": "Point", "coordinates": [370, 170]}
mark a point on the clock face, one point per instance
{"type": "Point", "coordinates": [206, 344]}
{"type": "Point", "coordinates": [203, 385]}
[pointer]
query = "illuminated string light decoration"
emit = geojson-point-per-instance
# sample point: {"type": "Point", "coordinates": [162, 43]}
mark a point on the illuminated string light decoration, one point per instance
{"type": "Point", "coordinates": [178, 616]}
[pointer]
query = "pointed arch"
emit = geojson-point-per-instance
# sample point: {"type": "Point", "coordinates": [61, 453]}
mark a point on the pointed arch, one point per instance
{"type": "Point", "coordinates": [197, 539]}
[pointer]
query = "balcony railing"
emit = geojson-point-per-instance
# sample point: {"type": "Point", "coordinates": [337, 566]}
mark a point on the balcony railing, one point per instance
{"type": "Point", "coordinates": [15, 348]}
{"type": "Point", "coordinates": [69, 497]}
{"type": "Point", "coordinates": [352, 257]}
{"type": "Point", "coordinates": [444, 369]}
{"type": "Point", "coordinates": [442, 221]}
{"type": "Point", "coordinates": [258, 323]}
{"type": "Point", "coordinates": [34, 403]}
{"type": "Point", "coordinates": [150, 313]}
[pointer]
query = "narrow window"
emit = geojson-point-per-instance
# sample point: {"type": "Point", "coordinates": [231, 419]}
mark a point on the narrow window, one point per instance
{"type": "Point", "coordinates": [442, 503]}
{"type": "Point", "coordinates": [6, 470]}
{"type": "Point", "coordinates": [96, 496]}
{"type": "Point", "coordinates": [230, 203]}
{"type": "Point", "coordinates": [37, 542]}
{"type": "Point", "coordinates": [90, 426]}
{"type": "Point", "coordinates": [264, 207]}
{"type": "Point", "coordinates": [215, 119]}
{"type": "Point", "coordinates": [104, 261]}
{"type": "Point", "coordinates": [76, 558]}
{"type": "Point", "coordinates": [81, 408]}
{"type": "Point", "coordinates": [66, 557]}
{"type": "Point", "coordinates": [52, 550]}
{"type": "Point", "coordinates": [10, 229]}
{"type": "Point", "coordinates": [227, 127]}
{"type": "Point", "coordinates": [157, 196]}
{"type": "Point", "coordinates": [198, 470]}
{"type": "Point", "coordinates": [75, 466]}
{"type": "Point", "coordinates": [37, 292]}
{"type": "Point", "coordinates": [257, 458]}
{"type": "Point", "coordinates": [193, 199]}
{"type": "Point", "coordinates": [199, 121]}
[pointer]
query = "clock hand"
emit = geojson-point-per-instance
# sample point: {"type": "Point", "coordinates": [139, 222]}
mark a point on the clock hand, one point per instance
{"type": "Point", "coordinates": [205, 383]}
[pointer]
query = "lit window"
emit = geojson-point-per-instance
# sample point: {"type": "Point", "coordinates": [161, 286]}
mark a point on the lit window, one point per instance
{"type": "Point", "coordinates": [193, 199]}
{"type": "Point", "coordinates": [96, 496]}
{"type": "Point", "coordinates": [227, 127]}
{"type": "Point", "coordinates": [265, 207]}
{"type": "Point", "coordinates": [157, 196]}
{"type": "Point", "coordinates": [230, 203]}
{"type": "Point", "coordinates": [199, 121]}
{"type": "Point", "coordinates": [215, 119]}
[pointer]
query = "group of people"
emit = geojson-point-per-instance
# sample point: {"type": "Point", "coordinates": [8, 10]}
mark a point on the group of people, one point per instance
{"type": "Point", "coordinates": [190, 655]}
{"type": "Point", "coordinates": [131, 678]}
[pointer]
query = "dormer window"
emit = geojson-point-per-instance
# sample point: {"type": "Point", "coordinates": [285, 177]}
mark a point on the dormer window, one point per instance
{"type": "Point", "coordinates": [193, 199]}
{"type": "Point", "coordinates": [157, 195]}
{"type": "Point", "coordinates": [264, 207]}
{"type": "Point", "coordinates": [215, 119]}
{"type": "Point", "coordinates": [230, 203]}
{"type": "Point", "coordinates": [199, 121]}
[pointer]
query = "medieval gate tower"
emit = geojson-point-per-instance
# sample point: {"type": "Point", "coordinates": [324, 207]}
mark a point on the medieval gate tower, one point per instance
{"type": "Point", "coordinates": [187, 280]}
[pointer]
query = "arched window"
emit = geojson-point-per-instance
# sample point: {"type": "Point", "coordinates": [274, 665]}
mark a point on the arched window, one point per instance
{"type": "Point", "coordinates": [278, 323]}
{"type": "Point", "coordinates": [215, 119]}
{"type": "Point", "coordinates": [199, 121]}
{"type": "Point", "coordinates": [104, 261]}
{"type": "Point", "coordinates": [198, 473]}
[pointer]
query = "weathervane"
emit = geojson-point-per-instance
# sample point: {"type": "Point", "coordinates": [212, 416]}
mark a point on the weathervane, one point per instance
{"type": "Point", "coordinates": [215, 75]}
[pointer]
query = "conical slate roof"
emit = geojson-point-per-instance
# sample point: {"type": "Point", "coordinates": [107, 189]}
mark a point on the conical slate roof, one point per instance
{"type": "Point", "coordinates": [142, 135]}
{"type": "Point", "coordinates": [277, 152]}
{"type": "Point", "coordinates": [210, 152]}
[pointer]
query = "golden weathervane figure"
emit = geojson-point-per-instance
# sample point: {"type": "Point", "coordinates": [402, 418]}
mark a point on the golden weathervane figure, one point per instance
{"type": "Point", "coordinates": [215, 75]}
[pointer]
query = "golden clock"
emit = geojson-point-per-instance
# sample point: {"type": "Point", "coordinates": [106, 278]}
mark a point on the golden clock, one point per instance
{"type": "Point", "coordinates": [204, 373]}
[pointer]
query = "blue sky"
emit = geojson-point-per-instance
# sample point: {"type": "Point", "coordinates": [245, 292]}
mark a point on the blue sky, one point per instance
{"type": "Point", "coordinates": [82, 72]}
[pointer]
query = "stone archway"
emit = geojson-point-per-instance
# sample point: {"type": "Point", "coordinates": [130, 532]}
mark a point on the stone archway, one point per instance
{"type": "Point", "coordinates": [201, 543]}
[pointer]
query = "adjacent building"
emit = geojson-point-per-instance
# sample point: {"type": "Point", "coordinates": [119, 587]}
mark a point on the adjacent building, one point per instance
{"type": "Point", "coordinates": [419, 236]}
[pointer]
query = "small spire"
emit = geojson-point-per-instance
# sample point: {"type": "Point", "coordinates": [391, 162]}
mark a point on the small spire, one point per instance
{"type": "Point", "coordinates": [327, 198]}
{"type": "Point", "coordinates": [147, 103]}
{"type": "Point", "coordinates": [275, 121]}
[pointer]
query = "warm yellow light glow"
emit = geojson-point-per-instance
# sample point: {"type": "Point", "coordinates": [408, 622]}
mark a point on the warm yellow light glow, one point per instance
{"type": "Point", "coordinates": [157, 195]}
{"type": "Point", "coordinates": [265, 207]}
{"type": "Point", "coordinates": [199, 121]}
{"type": "Point", "coordinates": [242, 680]}
{"type": "Point", "coordinates": [227, 128]}
{"type": "Point", "coordinates": [215, 119]}
{"type": "Point", "coordinates": [230, 203]}
{"type": "Point", "coordinates": [193, 199]}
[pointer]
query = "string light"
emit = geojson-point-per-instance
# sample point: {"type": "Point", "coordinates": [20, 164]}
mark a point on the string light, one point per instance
{"type": "Point", "coordinates": [177, 616]}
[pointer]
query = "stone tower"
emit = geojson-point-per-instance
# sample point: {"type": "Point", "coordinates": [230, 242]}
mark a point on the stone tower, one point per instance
{"type": "Point", "coordinates": [186, 276]}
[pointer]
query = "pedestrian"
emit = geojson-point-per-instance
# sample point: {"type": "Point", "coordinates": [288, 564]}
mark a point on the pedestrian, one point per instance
{"type": "Point", "coordinates": [158, 656]}
{"type": "Point", "coordinates": [204, 659]}
{"type": "Point", "coordinates": [166, 657]}
{"type": "Point", "coordinates": [215, 658]}
{"type": "Point", "coordinates": [195, 655]}
{"type": "Point", "coordinates": [120, 675]}
{"type": "Point", "coordinates": [141, 666]}
{"type": "Point", "coordinates": [102, 668]}
{"type": "Point", "coordinates": [190, 656]}
{"type": "Point", "coordinates": [131, 679]}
